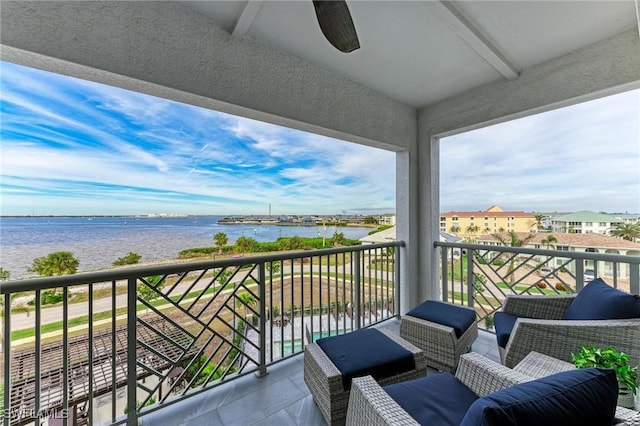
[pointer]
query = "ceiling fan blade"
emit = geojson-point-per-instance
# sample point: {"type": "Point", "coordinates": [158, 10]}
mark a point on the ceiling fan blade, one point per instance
{"type": "Point", "coordinates": [336, 24]}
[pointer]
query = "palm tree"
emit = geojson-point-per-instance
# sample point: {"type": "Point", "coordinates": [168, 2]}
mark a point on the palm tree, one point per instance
{"type": "Point", "coordinates": [549, 240]}
{"type": "Point", "coordinates": [627, 231]}
{"type": "Point", "coordinates": [53, 264]}
{"type": "Point", "coordinates": [246, 300]}
{"type": "Point", "coordinates": [539, 218]}
{"type": "Point", "coordinates": [221, 240]}
{"type": "Point", "coordinates": [454, 229]}
{"type": "Point", "coordinates": [472, 230]}
{"type": "Point", "coordinates": [511, 239]}
{"type": "Point", "coordinates": [56, 263]}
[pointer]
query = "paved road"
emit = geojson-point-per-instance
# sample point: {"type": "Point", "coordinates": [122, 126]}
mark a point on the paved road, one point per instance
{"type": "Point", "coordinates": [51, 314]}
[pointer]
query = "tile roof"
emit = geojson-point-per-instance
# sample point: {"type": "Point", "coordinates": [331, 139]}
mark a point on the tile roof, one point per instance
{"type": "Point", "coordinates": [488, 214]}
{"type": "Point", "coordinates": [575, 240]}
{"type": "Point", "coordinates": [587, 216]}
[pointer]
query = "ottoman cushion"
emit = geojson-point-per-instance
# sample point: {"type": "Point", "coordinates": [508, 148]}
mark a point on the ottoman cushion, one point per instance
{"type": "Point", "coordinates": [456, 317]}
{"type": "Point", "coordinates": [366, 352]}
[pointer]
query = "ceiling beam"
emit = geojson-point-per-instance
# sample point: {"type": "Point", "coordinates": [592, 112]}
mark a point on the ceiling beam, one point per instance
{"type": "Point", "coordinates": [638, 15]}
{"type": "Point", "coordinates": [247, 17]}
{"type": "Point", "coordinates": [449, 14]}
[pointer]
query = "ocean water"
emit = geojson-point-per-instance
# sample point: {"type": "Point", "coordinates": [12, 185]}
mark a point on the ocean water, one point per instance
{"type": "Point", "coordinates": [98, 241]}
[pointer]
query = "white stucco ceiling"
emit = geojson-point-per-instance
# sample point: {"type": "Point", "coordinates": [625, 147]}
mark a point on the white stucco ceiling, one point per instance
{"type": "Point", "coordinates": [420, 52]}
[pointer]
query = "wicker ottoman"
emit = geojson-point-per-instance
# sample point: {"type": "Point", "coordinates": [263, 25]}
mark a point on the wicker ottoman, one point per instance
{"type": "Point", "coordinates": [444, 331]}
{"type": "Point", "coordinates": [330, 390]}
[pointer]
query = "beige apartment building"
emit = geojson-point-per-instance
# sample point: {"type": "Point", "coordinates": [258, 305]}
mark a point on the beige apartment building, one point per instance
{"type": "Point", "coordinates": [470, 225]}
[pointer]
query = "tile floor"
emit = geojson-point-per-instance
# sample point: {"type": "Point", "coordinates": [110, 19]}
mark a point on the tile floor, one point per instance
{"type": "Point", "coordinates": [280, 398]}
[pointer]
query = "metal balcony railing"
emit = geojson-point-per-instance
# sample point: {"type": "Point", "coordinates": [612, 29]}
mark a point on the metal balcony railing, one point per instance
{"type": "Point", "coordinates": [112, 346]}
{"type": "Point", "coordinates": [491, 273]}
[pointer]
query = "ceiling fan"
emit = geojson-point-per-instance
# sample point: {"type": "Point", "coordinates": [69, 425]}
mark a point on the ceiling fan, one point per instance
{"type": "Point", "coordinates": [336, 24]}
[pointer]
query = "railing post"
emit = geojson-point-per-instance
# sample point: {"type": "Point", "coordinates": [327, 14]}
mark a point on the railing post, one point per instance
{"type": "Point", "coordinates": [132, 377]}
{"type": "Point", "coordinates": [634, 278]}
{"type": "Point", "coordinates": [396, 268]}
{"type": "Point", "coordinates": [6, 344]}
{"type": "Point", "coordinates": [444, 272]}
{"type": "Point", "coordinates": [38, 350]}
{"type": "Point", "coordinates": [262, 371]}
{"type": "Point", "coordinates": [470, 288]}
{"type": "Point", "coordinates": [65, 351]}
{"type": "Point", "coordinates": [579, 274]}
{"type": "Point", "coordinates": [356, 305]}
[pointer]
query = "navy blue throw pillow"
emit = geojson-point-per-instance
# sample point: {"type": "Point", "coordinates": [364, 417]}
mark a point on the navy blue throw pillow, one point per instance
{"type": "Point", "coordinates": [577, 397]}
{"type": "Point", "coordinates": [599, 301]}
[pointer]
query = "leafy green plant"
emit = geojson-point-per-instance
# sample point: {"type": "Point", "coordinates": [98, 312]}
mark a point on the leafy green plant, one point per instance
{"type": "Point", "coordinates": [130, 258]}
{"type": "Point", "coordinates": [479, 282]}
{"type": "Point", "coordinates": [145, 288]}
{"type": "Point", "coordinates": [139, 405]}
{"type": "Point", "coordinates": [488, 321]}
{"type": "Point", "coordinates": [4, 274]}
{"type": "Point", "coordinates": [56, 263]}
{"type": "Point", "coordinates": [51, 297]}
{"type": "Point", "coordinates": [608, 358]}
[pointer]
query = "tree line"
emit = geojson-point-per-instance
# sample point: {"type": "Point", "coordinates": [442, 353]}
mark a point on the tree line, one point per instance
{"type": "Point", "coordinates": [65, 263]}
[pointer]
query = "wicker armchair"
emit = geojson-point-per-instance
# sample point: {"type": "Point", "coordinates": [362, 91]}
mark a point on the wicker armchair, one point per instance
{"type": "Point", "coordinates": [369, 404]}
{"type": "Point", "coordinates": [545, 331]}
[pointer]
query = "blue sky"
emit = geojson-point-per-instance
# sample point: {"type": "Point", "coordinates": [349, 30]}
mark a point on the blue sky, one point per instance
{"type": "Point", "coordinates": [75, 147]}
{"type": "Point", "coordinates": [70, 146]}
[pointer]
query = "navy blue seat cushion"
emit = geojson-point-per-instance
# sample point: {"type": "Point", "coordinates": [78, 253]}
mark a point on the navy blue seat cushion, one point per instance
{"type": "Point", "coordinates": [456, 317]}
{"type": "Point", "coordinates": [366, 352]}
{"type": "Point", "coordinates": [504, 324]}
{"type": "Point", "coordinates": [576, 397]}
{"type": "Point", "coordinates": [439, 399]}
{"type": "Point", "coordinates": [599, 301]}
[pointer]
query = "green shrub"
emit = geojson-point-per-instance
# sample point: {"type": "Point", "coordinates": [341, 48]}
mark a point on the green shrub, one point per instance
{"type": "Point", "coordinates": [130, 259]}
{"type": "Point", "coordinates": [197, 252]}
{"type": "Point", "coordinates": [48, 297]}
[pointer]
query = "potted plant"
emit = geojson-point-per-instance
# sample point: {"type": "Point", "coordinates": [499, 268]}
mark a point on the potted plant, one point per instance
{"type": "Point", "coordinates": [619, 361]}
{"type": "Point", "coordinates": [488, 322]}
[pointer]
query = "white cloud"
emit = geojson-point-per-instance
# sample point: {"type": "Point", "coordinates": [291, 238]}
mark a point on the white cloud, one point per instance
{"type": "Point", "coordinates": [582, 157]}
{"type": "Point", "coordinates": [67, 142]}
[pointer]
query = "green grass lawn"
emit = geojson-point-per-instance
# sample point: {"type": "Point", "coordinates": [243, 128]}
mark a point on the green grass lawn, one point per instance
{"type": "Point", "coordinates": [520, 288]}
{"type": "Point", "coordinates": [55, 326]}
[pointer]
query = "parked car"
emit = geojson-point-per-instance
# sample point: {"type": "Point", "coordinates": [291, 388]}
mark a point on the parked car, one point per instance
{"type": "Point", "coordinates": [544, 272]}
{"type": "Point", "coordinates": [589, 275]}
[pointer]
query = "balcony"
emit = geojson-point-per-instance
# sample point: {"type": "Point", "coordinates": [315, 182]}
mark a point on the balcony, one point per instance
{"type": "Point", "coordinates": [154, 337]}
{"type": "Point", "coordinates": [194, 348]}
